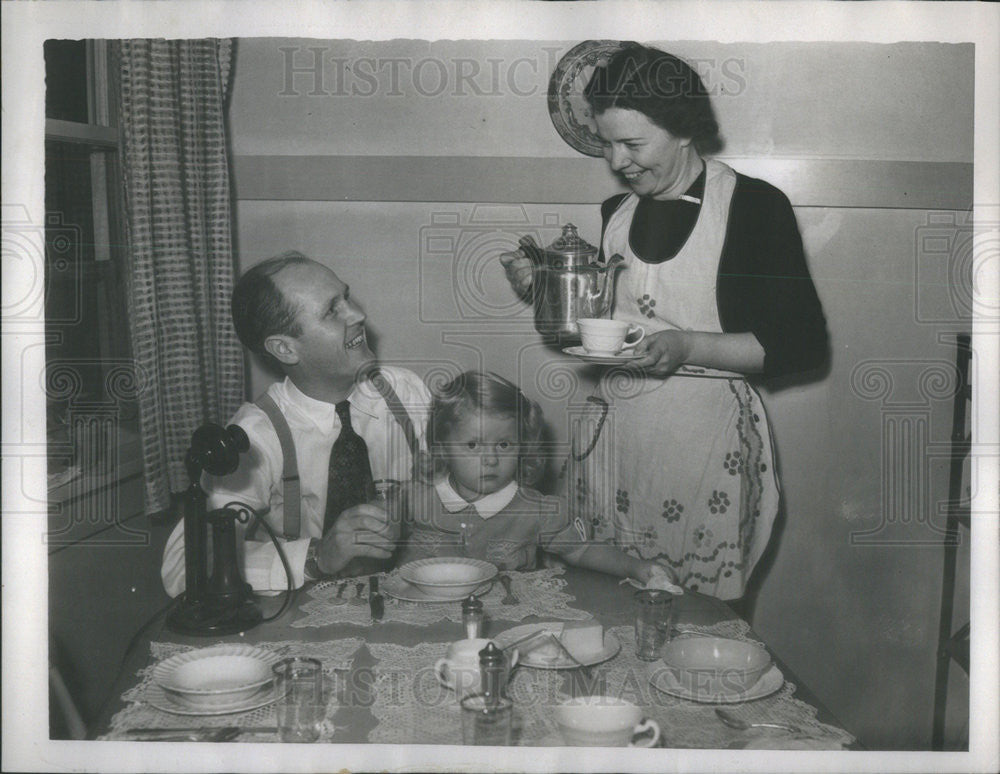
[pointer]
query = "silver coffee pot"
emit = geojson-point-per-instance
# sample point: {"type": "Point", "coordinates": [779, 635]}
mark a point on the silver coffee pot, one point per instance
{"type": "Point", "coordinates": [568, 283]}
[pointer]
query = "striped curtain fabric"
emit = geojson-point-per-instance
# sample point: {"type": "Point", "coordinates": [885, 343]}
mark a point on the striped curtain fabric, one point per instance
{"type": "Point", "coordinates": [179, 264]}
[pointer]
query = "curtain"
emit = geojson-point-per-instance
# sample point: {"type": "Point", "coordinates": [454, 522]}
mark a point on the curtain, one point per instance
{"type": "Point", "coordinates": [179, 256]}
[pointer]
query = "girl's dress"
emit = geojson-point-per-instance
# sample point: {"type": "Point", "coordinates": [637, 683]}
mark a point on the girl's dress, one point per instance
{"type": "Point", "coordinates": [505, 528]}
{"type": "Point", "coordinates": [679, 469]}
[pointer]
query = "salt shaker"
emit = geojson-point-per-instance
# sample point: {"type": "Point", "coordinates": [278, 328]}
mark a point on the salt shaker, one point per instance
{"type": "Point", "coordinates": [492, 663]}
{"type": "Point", "coordinates": [472, 618]}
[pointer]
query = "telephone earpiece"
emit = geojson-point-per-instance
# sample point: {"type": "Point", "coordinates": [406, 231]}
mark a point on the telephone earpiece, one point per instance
{"type": "Point", "coordinates": [216, 450]}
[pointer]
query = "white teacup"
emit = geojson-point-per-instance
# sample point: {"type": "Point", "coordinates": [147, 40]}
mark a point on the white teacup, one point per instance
{"type": "Point", "coordinates": [607, 337]}
{"type": "Point", "coordinates": [604, 721]}
{"type": "Point", "coordinates": [459, 669]}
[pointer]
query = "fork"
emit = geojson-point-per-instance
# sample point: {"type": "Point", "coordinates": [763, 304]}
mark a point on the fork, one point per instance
{"type": "Point", "coordinates": [510, 598]}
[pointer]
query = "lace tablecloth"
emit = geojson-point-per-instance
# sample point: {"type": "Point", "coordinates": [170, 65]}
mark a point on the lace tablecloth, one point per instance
{"type": "Point", "coordinates": [540, 592]}
{"type": "Point", "coordinates": [336, 656]}
{"type": "Point", "coordinates": [410, 704]}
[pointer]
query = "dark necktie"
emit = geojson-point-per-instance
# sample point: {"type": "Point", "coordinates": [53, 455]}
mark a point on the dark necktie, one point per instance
{"type": "Point", "coordinates": [350, 480]}
{"type": "Point", "coordinates": [350, 483]}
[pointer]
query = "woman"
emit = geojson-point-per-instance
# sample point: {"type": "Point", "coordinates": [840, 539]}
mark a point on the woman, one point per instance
{"type": "Point", "coordinates": [676, 463]}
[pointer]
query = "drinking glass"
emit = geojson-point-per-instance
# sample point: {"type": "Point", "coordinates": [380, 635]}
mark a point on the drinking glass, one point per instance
{"type": "Point", "coordinates": [387, 497]}
{"type": "Point", "coordinates": [486, 723]}
{"type": "Point", "coordinates": [300, 708]}
{"type": "Point", "coordinates": [653, 609]}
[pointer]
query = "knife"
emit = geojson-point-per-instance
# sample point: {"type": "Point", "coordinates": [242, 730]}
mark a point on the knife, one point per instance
{"type": "Point", "coordinates": [375, 601]}
{"type": "Point", "coordinates": [196, 734]}
{"type": "Point", "coordinates": [584, 669]}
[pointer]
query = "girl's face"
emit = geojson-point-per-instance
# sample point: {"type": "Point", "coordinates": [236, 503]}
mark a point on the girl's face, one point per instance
{"type": "Point", "coordinates": [481, 453]}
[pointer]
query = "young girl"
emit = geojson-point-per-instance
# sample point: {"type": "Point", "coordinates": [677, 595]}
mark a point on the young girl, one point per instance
{"type": "Point", "coordinates": [484, 438]}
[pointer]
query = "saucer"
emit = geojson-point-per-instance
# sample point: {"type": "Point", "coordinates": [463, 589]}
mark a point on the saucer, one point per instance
{"type": "Point", "coordinates": [527, 657]}
{"type": "Point", "coordinates": [157, 697]}
{"type": "Point", "coordinates": [394, 586]}
{"type": "Point", "coordinates": [662, 679]}
{"type": "Point", "coordinates": [625, 356]}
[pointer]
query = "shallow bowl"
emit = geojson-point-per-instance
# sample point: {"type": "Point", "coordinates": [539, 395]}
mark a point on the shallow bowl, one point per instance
{"type": "Point", "coordinates": [447, 576]}
{"type": "Point", "coordinates": [715, 666]}
{"type": "Point", "coordinates": [215, 677]}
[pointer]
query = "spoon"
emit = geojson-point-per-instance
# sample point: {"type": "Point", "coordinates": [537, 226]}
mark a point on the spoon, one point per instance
{"type": "Point", "coordinates": [510, 598]}
{"type": "Point", "coordinates": [739, 724]}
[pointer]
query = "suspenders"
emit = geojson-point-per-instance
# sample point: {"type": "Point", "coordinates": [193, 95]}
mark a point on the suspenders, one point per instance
{"type": "Point", "coordinates": [291, 489]}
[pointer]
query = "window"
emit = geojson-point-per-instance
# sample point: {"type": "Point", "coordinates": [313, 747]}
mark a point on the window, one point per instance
{"type": "Point", "coordinates": [87, 339]}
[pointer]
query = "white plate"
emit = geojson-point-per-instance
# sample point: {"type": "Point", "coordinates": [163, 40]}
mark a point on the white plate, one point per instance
{"type": "Point", "coordinates": [157, 697]}
{"type": "Point", "coordinates": [611, 647]}
{"type": "Point", "coordinates": [661, 678]}
{"type": "Point", "coordinates": [394, 586]}
{"type": "Point", "coordinates": [624, 356]}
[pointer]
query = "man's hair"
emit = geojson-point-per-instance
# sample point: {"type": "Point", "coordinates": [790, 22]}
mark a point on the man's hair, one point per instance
{"type": "Point", "coordinates": [661, 86]}
{"type": "Point", "coordinates": [259, 307]}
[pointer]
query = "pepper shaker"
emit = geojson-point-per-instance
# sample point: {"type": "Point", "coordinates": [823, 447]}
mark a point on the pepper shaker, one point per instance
{"type": "Point", "coordinates": [472, 618]}
{"type": "Point", "coordinates": [491, 666]}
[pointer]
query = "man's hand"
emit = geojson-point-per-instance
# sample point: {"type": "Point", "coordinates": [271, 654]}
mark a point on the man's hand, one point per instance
{"type": "Point", "coordinates": [663, 352]}
{"type": "Point", "coordinates": [363, 530]}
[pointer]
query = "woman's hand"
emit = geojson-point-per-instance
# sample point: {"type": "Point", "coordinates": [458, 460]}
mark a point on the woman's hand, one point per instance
{"type": "Point", "coordinates": [663, 352]}
{"type": "Point", "coordinates": [518, 267]}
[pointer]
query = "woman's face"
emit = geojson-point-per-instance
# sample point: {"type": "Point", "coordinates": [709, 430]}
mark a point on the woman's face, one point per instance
{"type": "Point", "coordinates": [650, 160]}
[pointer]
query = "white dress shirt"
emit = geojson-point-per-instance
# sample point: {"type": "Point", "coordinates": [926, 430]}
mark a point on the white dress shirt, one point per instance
{"type": "Point", "coordinates": [314, 427]}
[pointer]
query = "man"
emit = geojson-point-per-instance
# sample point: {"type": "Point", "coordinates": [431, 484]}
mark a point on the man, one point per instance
{"type": "Point", "coordinates": [299, 314]}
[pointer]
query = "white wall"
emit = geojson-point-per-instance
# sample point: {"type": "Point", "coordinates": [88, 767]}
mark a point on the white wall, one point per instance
{"type": "Point", "coordinates": [857, 623]}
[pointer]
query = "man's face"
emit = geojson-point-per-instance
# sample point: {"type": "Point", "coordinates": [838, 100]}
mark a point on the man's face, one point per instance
{"type": "Point", "coordinates": [332, 344]}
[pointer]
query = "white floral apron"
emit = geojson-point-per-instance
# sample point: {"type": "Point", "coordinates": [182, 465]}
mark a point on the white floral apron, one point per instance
{"type": "Point", "coordinates": [678, 469]}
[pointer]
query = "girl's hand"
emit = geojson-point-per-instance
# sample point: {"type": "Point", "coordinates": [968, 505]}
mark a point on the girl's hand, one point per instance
{"type": "Point", "coordinates": [663, 352]}
{"type": "Point", "coordinates": [644, 571]}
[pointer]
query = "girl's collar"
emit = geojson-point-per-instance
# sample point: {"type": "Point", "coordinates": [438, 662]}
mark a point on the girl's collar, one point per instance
{"type": "Point", "coordinates": [487, 506]}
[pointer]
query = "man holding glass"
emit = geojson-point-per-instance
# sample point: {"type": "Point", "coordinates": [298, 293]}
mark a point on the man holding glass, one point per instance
{"type": "Point", "coordinates": [299, 315]}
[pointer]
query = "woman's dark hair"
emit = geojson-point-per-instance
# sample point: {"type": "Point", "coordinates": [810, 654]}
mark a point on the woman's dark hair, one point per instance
{"type": "Point", "coordinates": [259, 307]}
{"type": "Point", "coordinates": [490, 393]}
{"type": "Point", "coordinates": [664, 88]}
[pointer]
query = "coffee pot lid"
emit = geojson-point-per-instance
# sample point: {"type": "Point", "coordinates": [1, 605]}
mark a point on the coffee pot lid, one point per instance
{"type": "Point", "coordinates": [571, 243]}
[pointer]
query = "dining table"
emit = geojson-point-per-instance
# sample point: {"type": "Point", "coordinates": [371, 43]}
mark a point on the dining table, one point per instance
{"type": "Point", "coordinates": [382, 687]}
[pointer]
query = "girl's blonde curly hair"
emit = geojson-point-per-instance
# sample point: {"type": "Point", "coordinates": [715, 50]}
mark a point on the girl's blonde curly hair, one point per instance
{"type": "Point", "coordinates": [489, 393]}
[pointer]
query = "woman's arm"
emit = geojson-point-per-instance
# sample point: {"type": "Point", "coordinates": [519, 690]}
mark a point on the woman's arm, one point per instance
{"type": "Point", "coordinates": [666, 351]}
